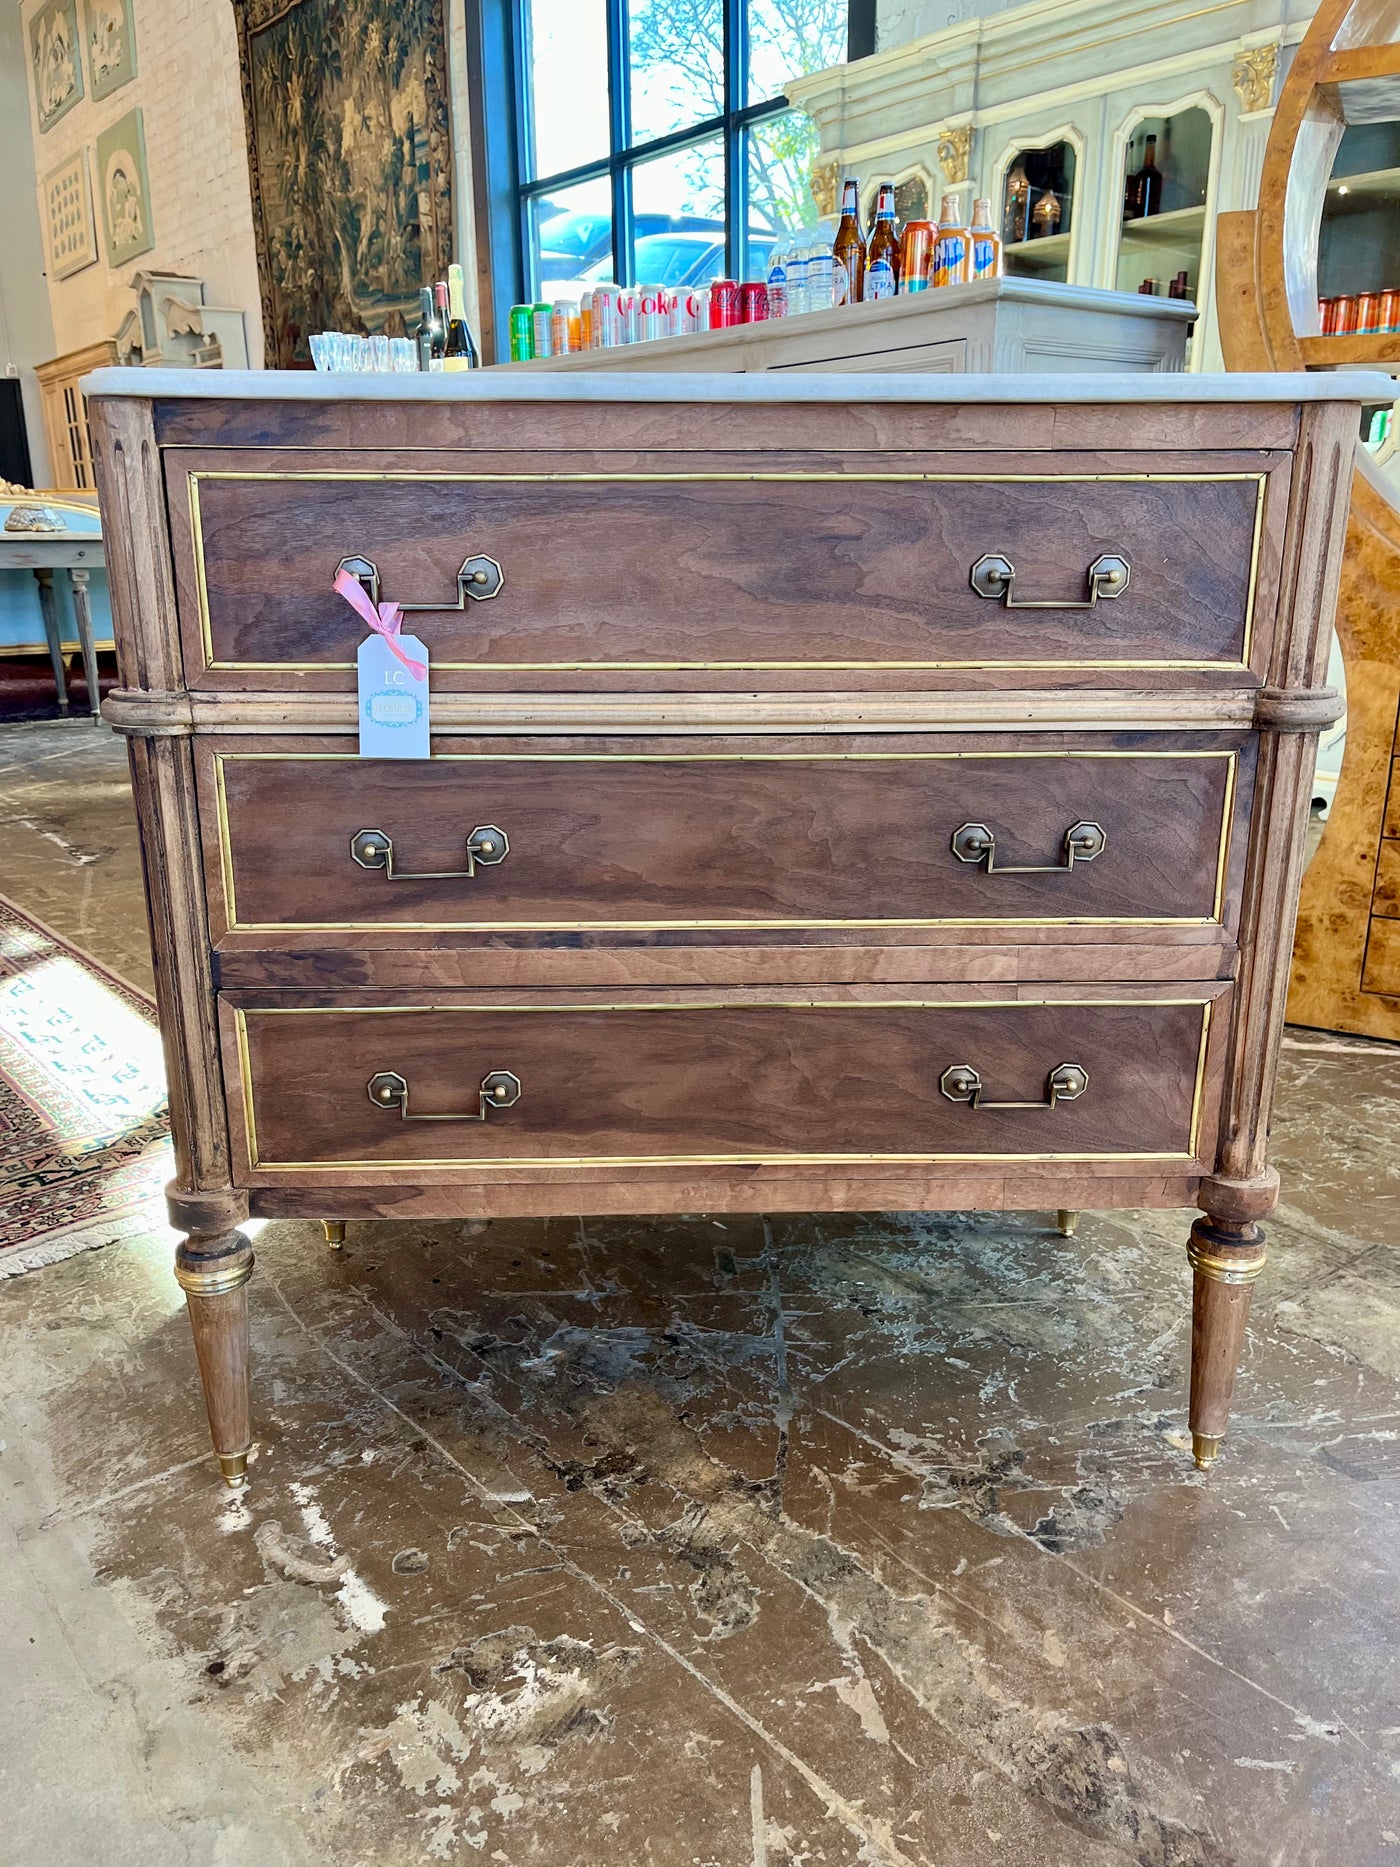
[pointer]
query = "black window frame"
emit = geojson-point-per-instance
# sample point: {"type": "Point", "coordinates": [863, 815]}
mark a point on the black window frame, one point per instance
{"type": "Point", "coordinates": [503, 190]}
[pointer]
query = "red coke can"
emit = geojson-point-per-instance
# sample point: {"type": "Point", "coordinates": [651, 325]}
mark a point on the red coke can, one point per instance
{"type": "Point", "coordinates": [724, 304]}
{"type": "Point", "coordinates": [753, 302]}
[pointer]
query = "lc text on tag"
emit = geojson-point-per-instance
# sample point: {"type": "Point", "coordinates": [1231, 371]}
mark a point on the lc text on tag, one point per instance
{"type": "Point", "coordinates": [393, 698]}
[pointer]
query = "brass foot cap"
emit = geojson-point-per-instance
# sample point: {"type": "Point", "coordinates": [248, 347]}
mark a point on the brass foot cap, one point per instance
{"type": "Point", "coordinates": [234, 1466]}
{"type": "Point", "coordinates": [335, 1232]}
{"type": "Point", "coordinates": [1068, 1223]}
{"type": "Point", "coordinates": [1205, 1448]}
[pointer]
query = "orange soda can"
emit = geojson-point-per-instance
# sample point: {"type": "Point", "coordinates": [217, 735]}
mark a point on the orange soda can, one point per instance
{"type": "Point", "coordinates": [915, 255]}
{"type": "Point", "coordinates": [1390, 311]}
{"type": "Point", "coordinates": [1368, 313]}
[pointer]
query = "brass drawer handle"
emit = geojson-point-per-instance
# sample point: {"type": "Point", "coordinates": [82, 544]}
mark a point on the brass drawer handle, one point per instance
{"type": "Point", "coordinates": [480, 578]}
{"type": "Point", "coordinates": [486, 846]}
{"type": "Point", "coordinates": [499, 1090]}
{"type": "Point", "coordinates": [1065, 1083]}
{"type": "Point", "coordinates": [995, 576]}
{"type": "Point", "coordinates": [974, 842]}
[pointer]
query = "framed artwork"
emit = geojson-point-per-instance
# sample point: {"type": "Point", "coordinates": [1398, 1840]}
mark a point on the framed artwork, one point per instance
{"type": "Point", "coordinates": [55, 63]}
{"type": "Point", "coordinates": [111, 44]}
{"type": "Point", "coordinates": [70, 233]}
{"type": "Point", "coordinates": [125, 192]}
{"type": "Point", "coordinates": [350, 161]}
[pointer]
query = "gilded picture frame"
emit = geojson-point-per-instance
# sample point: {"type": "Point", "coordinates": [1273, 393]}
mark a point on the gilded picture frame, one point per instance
{"type": "Point", "coordinates": [349, 161]}
{"type": "Point", "coordinates": [110, 36]}
{"type": "Point", "coordinates": [70, 227]}
{"type": "Point", "coordinates": [55, 61]}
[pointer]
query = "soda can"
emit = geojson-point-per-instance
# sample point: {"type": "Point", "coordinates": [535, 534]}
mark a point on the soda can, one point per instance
{"type": "Point", "coordinates": [1346, 325]}
{"type": "Point", "coordinates": [1326, 315]}
{"type": "Point", "coordinates": [724, 304]}
{"type": "Point", "coordinates": [651, 315]}
{"type": "Point", "coordinates": [915, 255]}
{"type": "Point", "coordinates": [753, 302]}
{"type": "Point", "coordinates": [1390, 311]}
{"type": "Point", "coordinates": [522, 329]}
{"type": "Point", "coordinates": [687, 312]}
{"type": "Point", "coordinates": [627, 317]}
{"type": "Point", "coordinates": [563, 329]}
{"type": "Point", "coordinates": [540, 317]}
{"type": "Point", "coordinates": [950, 257]}
{"type": "Point", "coordinates": [605, 324]}
{"type": "Point", "coordinates": [1368, 313]}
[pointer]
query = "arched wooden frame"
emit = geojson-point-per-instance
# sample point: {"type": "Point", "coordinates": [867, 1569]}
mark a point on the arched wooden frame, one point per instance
{"type": "Point", "coordinates": [1346, 958]}
{"type": "Point", "coordinates": [912, 171]}
{"type": "Point", "coordinates": [1065, 133]}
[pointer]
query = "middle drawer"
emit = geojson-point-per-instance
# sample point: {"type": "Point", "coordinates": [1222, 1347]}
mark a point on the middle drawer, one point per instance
{"type": "Point", "coordinates": [631, 837]}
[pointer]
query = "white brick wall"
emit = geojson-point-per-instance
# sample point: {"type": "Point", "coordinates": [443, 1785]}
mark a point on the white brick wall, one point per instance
{"type": "Point", "coordinates": [187, 87]}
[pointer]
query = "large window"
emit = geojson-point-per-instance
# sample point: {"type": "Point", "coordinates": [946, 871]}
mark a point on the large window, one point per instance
{"type": "Point", "coordinates": [654, 144]}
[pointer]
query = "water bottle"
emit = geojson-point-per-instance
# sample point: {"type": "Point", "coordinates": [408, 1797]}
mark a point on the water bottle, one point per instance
{"type": "Point", "coordinates": [820, 276]}
{"type": "Point", "coordinates": [777, 283]}
{"type": "Point", "coordinates": [797, 279]}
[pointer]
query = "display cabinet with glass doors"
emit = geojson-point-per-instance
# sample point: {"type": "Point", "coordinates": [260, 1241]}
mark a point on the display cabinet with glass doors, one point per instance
{"type": "Point", "coordinates": [1037, 210]}
{"type": "Point", "coordinates": [1162, 214]}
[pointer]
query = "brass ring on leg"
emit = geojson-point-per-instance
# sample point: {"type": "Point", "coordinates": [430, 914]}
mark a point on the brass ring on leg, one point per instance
{"type": "Point", "coordinates": [213, 1279]}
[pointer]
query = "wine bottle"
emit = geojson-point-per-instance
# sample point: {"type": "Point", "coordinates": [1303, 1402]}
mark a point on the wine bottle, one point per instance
{"type": "Point", "coordinates": [882, 249]}
{"type": "Point", "coordinates": [1147, 183]}
{"type": "Point", "coordinates": [426, 328]}
{"type": "Point", "coordinates": [849, 244]}
{"type": "Point", "coordinates": [440, 321]}
{"type": "Point", "coordinates": [1131, 210]}
{"type": "Point", "coordinates": [459, 352]}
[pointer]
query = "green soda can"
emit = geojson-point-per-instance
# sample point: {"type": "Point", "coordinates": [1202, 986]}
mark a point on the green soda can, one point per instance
{"type": "Point", "coordinates": [522, 323]}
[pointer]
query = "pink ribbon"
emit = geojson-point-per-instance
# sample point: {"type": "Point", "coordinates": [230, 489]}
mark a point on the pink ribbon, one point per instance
{"type": "Point", "coordinates": [385, 619]}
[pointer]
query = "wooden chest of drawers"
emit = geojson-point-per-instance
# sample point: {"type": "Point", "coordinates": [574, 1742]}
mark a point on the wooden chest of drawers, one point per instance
{"type": "Point", "coordinates": [849, 793]}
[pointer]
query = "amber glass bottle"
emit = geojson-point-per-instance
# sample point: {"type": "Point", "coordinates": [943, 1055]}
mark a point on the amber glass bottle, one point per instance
{"type": "Point", "coordinates": [849, 244]}
{"type": "Point", "coordinates": [884, 236]}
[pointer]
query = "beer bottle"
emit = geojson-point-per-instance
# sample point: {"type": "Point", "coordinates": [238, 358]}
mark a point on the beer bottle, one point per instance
{"type": "Point", "coordinates": [952, 252]}
{"type": "Point", "coordinates": [988, 258]}
{"type": "Point", "coordinates": [849, 247]}
{"type": "Point", "coordinates": [883, 248]}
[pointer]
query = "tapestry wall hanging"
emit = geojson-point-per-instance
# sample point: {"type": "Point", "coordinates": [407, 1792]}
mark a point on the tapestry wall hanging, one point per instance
{"type": "Point", "coordinates": [350, 160]}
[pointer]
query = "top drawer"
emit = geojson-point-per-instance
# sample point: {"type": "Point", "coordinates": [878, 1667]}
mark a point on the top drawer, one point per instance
{"type": "Point", "coordinates": [661, 577]}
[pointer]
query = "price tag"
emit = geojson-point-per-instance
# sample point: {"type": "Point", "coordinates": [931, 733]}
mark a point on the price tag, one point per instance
{"type": "Point", "coordinates": [393, 697]}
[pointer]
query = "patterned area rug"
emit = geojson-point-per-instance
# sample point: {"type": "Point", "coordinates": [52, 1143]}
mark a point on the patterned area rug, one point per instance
{"type": "Point", "coordinates": [84, 1145]}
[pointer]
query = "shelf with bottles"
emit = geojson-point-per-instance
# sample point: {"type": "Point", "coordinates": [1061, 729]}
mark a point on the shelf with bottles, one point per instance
{"type": "Point", "coordinates": [1162, 224]}
{"type": "Point", "coordinates": [1037, 211]}
{"type": "Point", "coordinates": [1358, 246]}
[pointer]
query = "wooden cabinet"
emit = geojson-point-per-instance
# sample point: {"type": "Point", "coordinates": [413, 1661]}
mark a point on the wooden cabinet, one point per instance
{"type": "Point", "coordinates": [885, 794]}
{"type": "Point", "coordinates": [65, 417]}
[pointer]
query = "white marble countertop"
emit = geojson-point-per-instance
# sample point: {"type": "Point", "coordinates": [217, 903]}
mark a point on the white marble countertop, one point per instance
{"type": "Point", "coordinates": [768, 386]}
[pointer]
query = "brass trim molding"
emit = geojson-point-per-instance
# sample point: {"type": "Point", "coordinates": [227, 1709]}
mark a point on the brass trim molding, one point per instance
{"type": "Point", "coordinates": [776, 1157]}
{"type": "Point", "coordinates": [212, 1280]}
{"type": "Point", "coordinates": [718, 924]}
{"type": "Point", "coordinates": [1224, 1270]}
{"type": "Point", "coordinates": [195, 477]}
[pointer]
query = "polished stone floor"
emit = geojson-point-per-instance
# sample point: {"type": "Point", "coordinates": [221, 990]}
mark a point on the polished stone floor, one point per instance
{"type": "Point", "coordinates": [688, 1543]}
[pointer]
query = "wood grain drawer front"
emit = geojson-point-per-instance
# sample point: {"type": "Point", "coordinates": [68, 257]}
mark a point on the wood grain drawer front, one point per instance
{"type": "Point", "coordinates": [720, 1083]}
{"type": "Point", "coordinates": [637, 841]}
{"type": "Point", "coordinates": [766, 570]}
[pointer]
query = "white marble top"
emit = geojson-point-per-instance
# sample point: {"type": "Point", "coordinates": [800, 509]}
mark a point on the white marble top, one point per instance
{"type": "Point", "coordinates": [766, 386]}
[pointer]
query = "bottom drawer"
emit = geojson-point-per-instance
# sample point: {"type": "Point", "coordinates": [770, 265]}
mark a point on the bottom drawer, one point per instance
{"type": "Point", "coordinates": [727, 1082]}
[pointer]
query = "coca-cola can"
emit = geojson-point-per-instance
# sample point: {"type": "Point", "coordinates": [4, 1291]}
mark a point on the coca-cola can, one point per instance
{"type": "Point", "coordinates": [651, 315]}
{"type": "Point", "coordinates": [724, 304]}
{"type": "Point", "coordinates": [915, 255]}
{"type": "Point", "coordinates": [686, 313]}
{"type": "Point", "coordinates": [753, 302]}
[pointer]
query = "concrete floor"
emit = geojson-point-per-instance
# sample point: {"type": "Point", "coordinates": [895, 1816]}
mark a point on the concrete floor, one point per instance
{"type": "Point", "coordinates": [828, 1540]}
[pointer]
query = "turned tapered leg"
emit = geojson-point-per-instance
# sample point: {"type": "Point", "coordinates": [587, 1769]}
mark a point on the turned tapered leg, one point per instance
{"type": "Point", "coordinates": [213, 1272]}
{"type": "Point", "coordinates": [1225, 1256]}
{"type": "Point", "coordinates": [1068, 1222]}
{"type": "Point", "coordinates": [335, 1232]}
